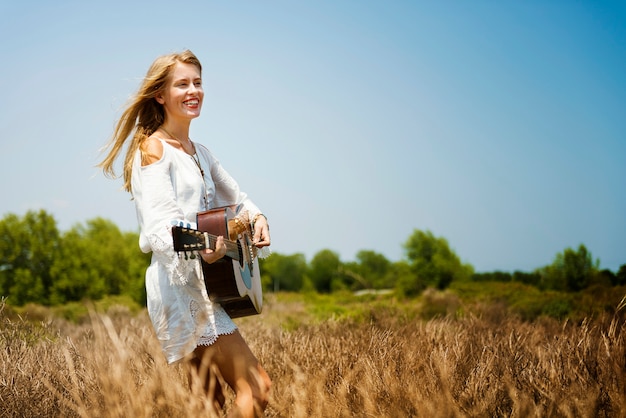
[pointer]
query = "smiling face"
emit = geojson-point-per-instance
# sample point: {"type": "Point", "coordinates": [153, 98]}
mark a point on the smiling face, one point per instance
{"type": "Point", "coordinates": [183, 94]}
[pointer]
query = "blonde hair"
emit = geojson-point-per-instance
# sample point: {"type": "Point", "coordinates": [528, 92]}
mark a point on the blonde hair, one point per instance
{"type": "Point", "coordinates": [143, 115]}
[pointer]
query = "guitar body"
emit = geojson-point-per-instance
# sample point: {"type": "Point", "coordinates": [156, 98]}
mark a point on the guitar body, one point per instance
{"type": "Point", "coordinates": [233, 281]}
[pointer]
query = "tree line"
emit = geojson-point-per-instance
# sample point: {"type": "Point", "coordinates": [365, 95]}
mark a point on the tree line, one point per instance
{"type": "Point", "coordinates": [40, 264]}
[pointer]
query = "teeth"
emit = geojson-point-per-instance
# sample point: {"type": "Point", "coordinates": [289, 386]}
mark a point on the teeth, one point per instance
{"type": "Point", "coordinates": [192, 102]}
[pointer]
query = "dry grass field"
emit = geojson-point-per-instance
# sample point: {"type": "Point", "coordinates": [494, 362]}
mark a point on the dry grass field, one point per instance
{"type": "Point", "coordinates": [387, 363]}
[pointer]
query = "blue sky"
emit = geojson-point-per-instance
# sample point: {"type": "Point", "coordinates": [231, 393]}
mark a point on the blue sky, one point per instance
{"type": "Point", "coordinates": [499, 126]}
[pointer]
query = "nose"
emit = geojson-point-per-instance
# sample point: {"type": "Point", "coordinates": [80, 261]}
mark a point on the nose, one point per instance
{"type": "Point", "coordinates": [193, 88]}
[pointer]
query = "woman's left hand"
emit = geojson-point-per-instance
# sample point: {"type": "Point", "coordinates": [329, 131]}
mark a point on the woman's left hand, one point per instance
{"type": "Point", "coordinates": [211, 256]}
{"type": "Point", "coordinates": [261, 236]}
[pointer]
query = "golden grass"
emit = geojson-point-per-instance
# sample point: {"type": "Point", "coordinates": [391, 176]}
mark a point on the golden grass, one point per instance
{"type": "Point", "coordinates": [477, 366]}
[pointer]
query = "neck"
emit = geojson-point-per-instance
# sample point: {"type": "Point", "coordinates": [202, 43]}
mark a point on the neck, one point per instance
{"type": "Point", "coordinates": [179, 133]}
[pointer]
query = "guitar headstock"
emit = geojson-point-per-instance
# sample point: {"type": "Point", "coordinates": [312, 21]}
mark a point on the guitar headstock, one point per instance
{"type": "Point", "coordinates": [189, 240]}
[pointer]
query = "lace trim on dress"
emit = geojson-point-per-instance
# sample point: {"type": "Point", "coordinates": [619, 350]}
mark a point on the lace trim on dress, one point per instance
{"type": "Point", "coordinates": [179, 270]}
{"type": "Point", "coordinates": [220, 325]}
{"type": "Point", "coordinates": [263, 252]}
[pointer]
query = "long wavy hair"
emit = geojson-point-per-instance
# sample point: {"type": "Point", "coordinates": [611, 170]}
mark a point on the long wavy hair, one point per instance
{"type": "Point", "coordinates": [143, 115]}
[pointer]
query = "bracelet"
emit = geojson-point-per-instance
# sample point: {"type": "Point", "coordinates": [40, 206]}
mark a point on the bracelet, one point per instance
{"type": "Point", "coordinates": [257, 217]}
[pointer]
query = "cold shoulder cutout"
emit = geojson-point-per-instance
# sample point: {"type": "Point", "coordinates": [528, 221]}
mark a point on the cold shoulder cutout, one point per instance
{"type": "Point", "coordinates": [151, 150]}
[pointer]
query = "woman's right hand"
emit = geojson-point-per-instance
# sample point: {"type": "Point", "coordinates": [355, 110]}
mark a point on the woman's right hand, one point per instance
{"type": "Point", "coordinates": [211, 256]}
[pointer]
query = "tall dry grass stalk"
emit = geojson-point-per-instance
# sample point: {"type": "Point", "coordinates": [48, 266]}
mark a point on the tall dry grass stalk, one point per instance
{"type": "Point", "coordinates": [492, 365]}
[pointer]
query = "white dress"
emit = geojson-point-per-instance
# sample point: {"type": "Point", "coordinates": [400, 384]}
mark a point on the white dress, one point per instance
{"type": "Point", "coordinates": [169, 190]}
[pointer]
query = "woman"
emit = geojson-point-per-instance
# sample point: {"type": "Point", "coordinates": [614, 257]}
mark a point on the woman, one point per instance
{"type": "Point", "coordinates": [171, 179]}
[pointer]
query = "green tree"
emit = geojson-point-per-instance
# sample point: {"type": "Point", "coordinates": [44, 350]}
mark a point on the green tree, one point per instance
{"type": "Point", "coordinates": [39, 265]}
{"type": "Point", "coordinates": [13, 254]}
{"type": "Point", "coordinates": [432, 261]}
{"type": "Point", "coordinates": [28, 248]}
{"type": "Point", "coordinates": [138, 262]}
{"type": "Point", "coordinates": [571, 270]}
{"type": "Point", "coordinates": [324, 271]}
{"type": "Point", "coordinates": [494, 276]}
{"type": "Point", "coordinates": [76, 275]}
{"type": "Point", "coordinates": [96, 260]}
{"type": "Point", "coordinates": [283, 272]}
{"type": "Point", "coordinates": [368, 272]}
{"type": "Point", "coordinates": [526, 278]}
{"type": "Point", "coordinates": [403, 277]}
{"type": "Point", "coordinates": [26, 288]}
{"type": "Point", "coordinates": [604, 278]}
{"type": "Point", "coordinates": [620, 277]}
{"type": "Point", "coordinates": [106, 241]}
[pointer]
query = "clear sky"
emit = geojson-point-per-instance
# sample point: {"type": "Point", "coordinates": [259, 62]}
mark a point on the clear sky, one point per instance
{"type": "Point", "coordinates": [498, 125]}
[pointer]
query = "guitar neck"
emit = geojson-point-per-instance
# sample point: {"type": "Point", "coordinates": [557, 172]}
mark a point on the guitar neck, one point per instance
{"type": "Point", "coordinates": [192, 240]}
{"type": "Point", "coordinates": [232, 247]}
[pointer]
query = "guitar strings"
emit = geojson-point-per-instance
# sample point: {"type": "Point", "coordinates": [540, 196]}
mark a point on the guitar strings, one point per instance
{"type": "Point", "coordinates": [232, 245]}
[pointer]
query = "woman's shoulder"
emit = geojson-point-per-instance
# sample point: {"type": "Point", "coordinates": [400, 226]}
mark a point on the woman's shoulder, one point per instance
{"type": "Point", "coordinates": [151, 150]}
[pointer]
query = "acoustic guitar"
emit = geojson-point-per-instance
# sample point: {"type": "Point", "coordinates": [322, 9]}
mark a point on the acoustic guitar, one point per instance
{"type": "Point", "coordinates": [233, 281]}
